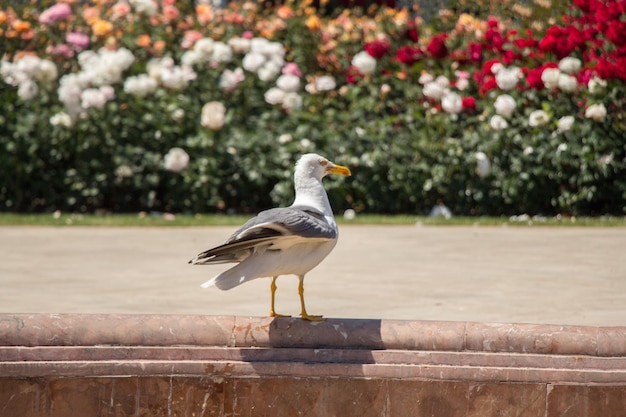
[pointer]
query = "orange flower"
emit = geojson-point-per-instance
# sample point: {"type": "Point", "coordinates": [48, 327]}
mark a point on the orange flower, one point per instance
{"type": "Point", "coordinates": [205, 13]}
{"type": "Point", "coordinates": [159, 46]}
{"type": "Point", "coordinates": [101, 28]}
{"type": "Point", "coordinates": [285, 12]}
{"type": "Point", "coordinates": [313, 22]}
{"type": "Point", "coordinates": [143, 41]}
{"type": "Point", "coordinates": [21, 26]}
{"type": "Point", "coordinates": [3, 17]}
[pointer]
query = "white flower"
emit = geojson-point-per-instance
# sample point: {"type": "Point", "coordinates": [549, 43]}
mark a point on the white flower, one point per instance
{"type": "Point", "coordinates": [596, 112]}
{"type": "Point", "coordinates": [123, 171]}
{"type": "Point", "coordinates": [178, 114]}
{"type": "Point", "coordinates": [505, 105]}
{"type": "Point", "coordinates": [27, 90]}
{"type": "Point", "coordinates": [596, 85]}
{"type": "Point", "coordinates": [570, 65]}
{"type": "Point", "coordinates": [221, 53]}
{"type": "Point", "coordinates": [103, 68]}
{"type": "Point", "coordinates": [240, 45]}
{"type": "Point", "coordinates": [288, 83]}
{"type": "Point", "coordinates": [561, 148]}
{"type": "Point", "coordinates": [285, 138]}
{"type": "Point", "coordinates": [269, 71]}
{"type": "Point", "coordinates": [498, 122]}
{"type": "Point", "coordinates": [483, 165]}
{"type": "Point", "coordinates": [364, 62]}
{"type": "Point", "coordinates": [176, 78]}
{"type": "Point", "coordinates": [69, 91]}
{"type": "Point", "coordinates": [433, 90]}
{"type": "Point", "coordinates": [140, 85]}
{"type": "Point", "coordinates": [204, 47]}
{"type": "Point", "coordinates": [253, 61]}
{"type": "Point", "coordinates": [565, 123]}
{"type": "Point", "coordinates": [147, 7]}
{"type": "Point", "coordinates": [496, 68]}
{"type": "Point", "coordinates": [538, 118]}
{"type": "Point", "coordinates": [260, 45]}
{"type": "Point", "coordinates": [28, 65]}
{"type": "Point", "coordinates": [567, 83]}
{"type": "Point", "coordinates": [292, 101]}
{"type": "Point", "coordinates": [425, 78]}
{"type": "Point", "coordinates": [275, 50]}
{"type": "Point", "coordinates": [230, 79]}
{"type": "Point", "coordinates": [191, 58]}
{"type": "Point", "coordinates": [528, 150]}
{"type": "Point", "coordinates": [213, 114]}
{"type": "Point", "coordinates": [462, 84]}
{"type": "Point", "coordinates": [507, 78]}
{"type": "Point", "coordinates": [92, 97]}
{"type": "Point", "coordinates": [108, 92]}
{"type": "Point", "coordinates": [443, 81]}
{"type": "Point", "coordinates": [325, 83]}
{"type": "Point", "coordinates": [452, 103]}
{"type": "Point", "coordinates": [47, 71]}
{"type": "Point", "coordinates": [61, 119]}
{"type": "Point", "coordinates": [274, 96]}
{"type": "Point", "coordinates": [176, 160]}
{"type": "Point", "coordinates": [550, 77]}
{"type": "Point", "coordinates": [605, 159]}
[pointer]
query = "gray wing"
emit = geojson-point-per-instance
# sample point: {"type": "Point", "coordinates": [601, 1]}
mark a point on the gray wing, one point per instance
{"type": "Point", "coordinates": [269, 228]}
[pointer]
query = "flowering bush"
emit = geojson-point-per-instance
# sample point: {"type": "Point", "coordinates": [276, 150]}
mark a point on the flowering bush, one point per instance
{"type": "Point", "coordinates": [143, 104]}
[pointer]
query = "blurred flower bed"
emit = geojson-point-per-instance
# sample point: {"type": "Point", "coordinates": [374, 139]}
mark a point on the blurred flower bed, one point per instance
{"type": "Point", "coordinates": [494, 108]}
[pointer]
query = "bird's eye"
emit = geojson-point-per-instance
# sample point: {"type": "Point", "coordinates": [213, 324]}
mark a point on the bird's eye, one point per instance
{"type": "Point", "coordinates": [323, 162]}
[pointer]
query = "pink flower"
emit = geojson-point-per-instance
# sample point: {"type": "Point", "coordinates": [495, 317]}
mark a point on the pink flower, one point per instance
{"type": "Point", "coordinates": [59, 11]}
{"type": "Point", "coordinates": [120, 9]}
{"type": "Point", "coordinates": [190, 38]}
{"type": "Point", "coordinates": [291, 68]}
{"type": "Point", "coordinates": [62, 50]}
{"type": "Point", "coordinates": [78, 40]}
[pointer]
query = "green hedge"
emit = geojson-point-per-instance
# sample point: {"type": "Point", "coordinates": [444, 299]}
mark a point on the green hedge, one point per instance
{"type": "Point", "coordinates": [406, 152]}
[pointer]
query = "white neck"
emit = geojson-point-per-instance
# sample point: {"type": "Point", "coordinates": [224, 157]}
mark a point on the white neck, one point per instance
{"type": "Point", "coordinates": [311, 193]}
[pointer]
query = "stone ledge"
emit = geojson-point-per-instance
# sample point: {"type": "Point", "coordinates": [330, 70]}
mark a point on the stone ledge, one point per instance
{"type": "Point", "coordinates": [121, 365]}
{"type": "Point", "coordinates": [229, 331]}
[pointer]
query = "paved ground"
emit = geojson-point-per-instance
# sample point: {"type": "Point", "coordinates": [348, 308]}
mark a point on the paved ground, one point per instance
{"type": "Point", "coordinates": [496, 274]}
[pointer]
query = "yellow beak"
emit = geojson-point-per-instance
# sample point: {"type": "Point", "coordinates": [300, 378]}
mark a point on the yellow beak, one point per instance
{"type": "Point", "coordinates": [339, 169]}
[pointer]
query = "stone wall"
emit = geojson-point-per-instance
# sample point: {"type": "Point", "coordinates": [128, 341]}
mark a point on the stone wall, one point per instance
{"type": "Point", "coordinates": [168, 365]}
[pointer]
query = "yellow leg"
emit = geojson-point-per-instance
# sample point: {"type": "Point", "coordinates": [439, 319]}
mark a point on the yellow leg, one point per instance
{"type": "Point", "coordinates": [273, 292]}
{"type": "Point", "coordinates": [304, 314]}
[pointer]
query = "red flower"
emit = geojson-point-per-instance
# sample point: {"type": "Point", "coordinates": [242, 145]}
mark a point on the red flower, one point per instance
{"type": "Point", "coordinates": [533, 78]}
{"type": "Point", "coordinates": [488, 84]}
{"type": "Point", "coordinates": [495, 39]}
{"type": "Point", "coordinates": [469, 104]}
{"type": "Point", "coordinates": [353, 75]}
{"type": "Point", "coordinates": [475, 52]}
{"type": "Point", "coordinates": [437, 47]}
{"type": "Point", "coordinates": [377, 49]}
{"type": "Point", "coordinates": [487, 65]}
{"type": "Point", "coordinates": [409, 55]}
{"type": "Point", "coordinates": [616, 32]}
{"type": "Point", "coordinates": [412, 33]}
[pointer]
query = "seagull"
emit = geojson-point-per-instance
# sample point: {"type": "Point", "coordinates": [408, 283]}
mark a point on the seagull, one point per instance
{"type": "Point", "coordinates": [282, 241]}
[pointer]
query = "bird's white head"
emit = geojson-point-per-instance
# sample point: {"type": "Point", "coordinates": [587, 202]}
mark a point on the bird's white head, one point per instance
{"type": "Point", "coordinates": [315, 166]}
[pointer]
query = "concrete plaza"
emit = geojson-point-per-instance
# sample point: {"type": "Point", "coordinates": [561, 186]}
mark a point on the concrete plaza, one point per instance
{"type": "Point", "coordinates": [551, 275]}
